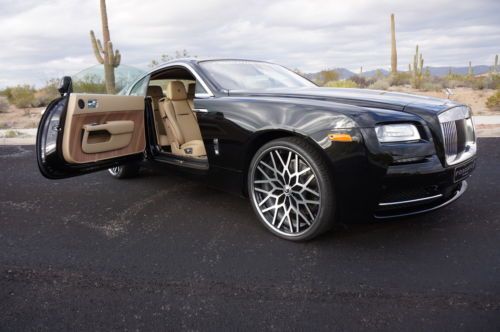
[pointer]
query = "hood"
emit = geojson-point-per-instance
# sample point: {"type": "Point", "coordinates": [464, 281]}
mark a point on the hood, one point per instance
{"type": "Point", "coordinates": [357, 97]}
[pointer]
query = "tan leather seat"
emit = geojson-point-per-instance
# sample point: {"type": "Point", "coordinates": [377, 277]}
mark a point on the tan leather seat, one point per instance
{"type": "Point", "coordinates": [156, 93]}
{"type": "Point", "coordinates": [190, 94]}
{"type": "Point", "coordinates": [182, 127]}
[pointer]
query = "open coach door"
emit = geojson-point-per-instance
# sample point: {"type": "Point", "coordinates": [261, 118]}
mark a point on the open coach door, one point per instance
{"type": "Point", "coordinates": [84, 133]}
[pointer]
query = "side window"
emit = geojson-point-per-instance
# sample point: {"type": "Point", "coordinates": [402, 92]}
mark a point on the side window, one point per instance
{"type": "Point", "coordinates": [140, 87]}
{"type": "Point", "coordinates": [199, 89]}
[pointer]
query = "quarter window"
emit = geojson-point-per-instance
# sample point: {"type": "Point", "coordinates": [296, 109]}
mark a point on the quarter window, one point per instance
{"type": "Point", "coordinates": [140, 87]}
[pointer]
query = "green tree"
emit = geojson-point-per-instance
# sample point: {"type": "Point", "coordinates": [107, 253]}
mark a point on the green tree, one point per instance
{"type": "Point", "coordinates": [326, 76]}
{"type": "Point", "coordinates": [89, 84]}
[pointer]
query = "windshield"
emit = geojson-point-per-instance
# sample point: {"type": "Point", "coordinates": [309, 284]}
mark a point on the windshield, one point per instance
{"type": "Point", "coordinates": [252, 75]}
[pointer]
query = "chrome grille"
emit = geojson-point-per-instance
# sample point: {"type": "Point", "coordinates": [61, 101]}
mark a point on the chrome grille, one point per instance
{"type": "Point", "coordinates": [450, 137]}
{"type": "Point", "coordinates": [458, 134]}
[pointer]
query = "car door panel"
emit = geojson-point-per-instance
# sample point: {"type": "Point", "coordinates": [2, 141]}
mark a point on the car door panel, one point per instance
{"type": "Point", "coordinates": [100, 127]}
{"type": "Point", "coordinates": [84, 133]}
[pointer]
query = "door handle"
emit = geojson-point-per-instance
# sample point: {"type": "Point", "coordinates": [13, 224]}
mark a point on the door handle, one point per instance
{"type": "Point", "coordinates": [200, 110]}
{"type": "Point", "coordinates": [113, 127]}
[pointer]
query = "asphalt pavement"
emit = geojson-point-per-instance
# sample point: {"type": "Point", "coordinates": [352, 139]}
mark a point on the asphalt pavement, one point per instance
{"type": "Point", "coordinates": [165, 252]}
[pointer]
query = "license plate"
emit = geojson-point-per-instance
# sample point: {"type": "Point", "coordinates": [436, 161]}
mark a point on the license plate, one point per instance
{"type": "Point", "coordinates": [464, 171]}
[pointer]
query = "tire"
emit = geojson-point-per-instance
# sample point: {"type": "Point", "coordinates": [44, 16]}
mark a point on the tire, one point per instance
{"type": "Point", "coordinates": [291, 189]}
{"type": "Point", "coordinates": [125, 171]}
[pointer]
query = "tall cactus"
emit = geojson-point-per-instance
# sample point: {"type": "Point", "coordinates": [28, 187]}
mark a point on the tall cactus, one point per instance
{"type": "Point", "coordinates": [470, 72]}
{"type": "Point", "coordinates": [394, 53]}
{"type": "Point", "coordinates": [106, 56]}
{"type": "Point", "coordinates": [417, 70]}
{"type": "Point", "coordinates": [495, 67]}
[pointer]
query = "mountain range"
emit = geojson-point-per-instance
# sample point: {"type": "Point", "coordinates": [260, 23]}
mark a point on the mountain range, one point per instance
{"type": "Point", "coordinates": [435, 71]}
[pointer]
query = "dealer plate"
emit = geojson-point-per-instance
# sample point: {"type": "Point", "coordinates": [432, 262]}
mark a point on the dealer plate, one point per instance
{"type": "Point", "coordinates": [464, 171]}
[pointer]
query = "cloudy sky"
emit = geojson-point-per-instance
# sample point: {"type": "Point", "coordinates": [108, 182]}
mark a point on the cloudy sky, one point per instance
{"type": "Point", "coordinates": [40, 39]}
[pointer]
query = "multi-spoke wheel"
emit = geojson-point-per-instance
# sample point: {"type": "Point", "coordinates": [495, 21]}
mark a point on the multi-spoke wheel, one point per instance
{"type": "Point", "coordinates": [290, 189]}
{"type": "Point", "coordinates": [124, 171]}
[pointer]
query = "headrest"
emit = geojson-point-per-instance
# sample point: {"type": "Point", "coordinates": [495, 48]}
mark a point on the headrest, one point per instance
{"type": "Point", "coordinates": [191, 90]}
{"type": "Point", "coordinates": [176, 91]}
{"type": "Point", "coordinates": [155, 91]}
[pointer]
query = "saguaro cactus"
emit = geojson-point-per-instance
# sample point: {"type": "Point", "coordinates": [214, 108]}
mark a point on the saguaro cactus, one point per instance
{"type": "Point", "coordinates": [417, 70]}
{"type": "Point", "coordinates": [394, 53]}
{"type": "Point", "coordinates": [106, 56]}
{"type": "Point", "coordinates": [495, 67]}
{"type": "Point", "coordinates": [470, 72]}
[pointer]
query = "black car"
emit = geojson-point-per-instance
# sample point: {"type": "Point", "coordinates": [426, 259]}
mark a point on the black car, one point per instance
{"type": "Point", "coordinates": [306, 156]}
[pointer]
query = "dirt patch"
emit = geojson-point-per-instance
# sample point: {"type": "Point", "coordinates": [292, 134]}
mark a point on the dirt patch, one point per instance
{"type": "Point", "coordinates": [20, 118]}
{"type": "Point", "coordinates": [476, 99]}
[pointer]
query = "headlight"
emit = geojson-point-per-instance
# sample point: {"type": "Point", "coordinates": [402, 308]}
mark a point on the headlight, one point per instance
{"type": "Point", "coordinates": [397, 133]}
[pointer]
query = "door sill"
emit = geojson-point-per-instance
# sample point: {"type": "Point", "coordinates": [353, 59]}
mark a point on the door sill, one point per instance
{"type": "Point", "coordinates": [181, 161]}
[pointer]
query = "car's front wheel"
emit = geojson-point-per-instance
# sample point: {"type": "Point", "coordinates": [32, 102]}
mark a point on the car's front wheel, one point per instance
{"type": "Point", "coordinates": [125, 171]}
{"type": "Point", "coordinates": [291, 189]}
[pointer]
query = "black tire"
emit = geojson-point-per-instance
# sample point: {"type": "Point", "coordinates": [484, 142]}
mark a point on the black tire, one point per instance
{"type": "Point", "coordinates": [262, 188]}
{"type": "Point", "coordinates": [125, 171]}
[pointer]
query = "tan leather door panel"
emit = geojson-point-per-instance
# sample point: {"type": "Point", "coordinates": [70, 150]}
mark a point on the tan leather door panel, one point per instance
{"type": "Point", "coordinates": [100, 127]}
{"type": "Point", "coordinates": [112, 135]}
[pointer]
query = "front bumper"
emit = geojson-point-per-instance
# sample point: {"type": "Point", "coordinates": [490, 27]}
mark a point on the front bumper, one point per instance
{"type": "Point", "coordinates": [420, 205]}
{"type": "Point", "coordinates": [419, 188]}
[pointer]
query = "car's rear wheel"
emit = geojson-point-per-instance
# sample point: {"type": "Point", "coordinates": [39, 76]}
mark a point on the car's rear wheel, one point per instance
{"type": "Point", "coordinates": [125, 171]}
{"type": "Point", "coordinates": [291, 189]}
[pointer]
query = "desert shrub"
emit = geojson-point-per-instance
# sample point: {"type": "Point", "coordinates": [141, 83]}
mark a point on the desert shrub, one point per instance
{"type": "Point", "coordinates": [431, 86]}
{"type": "Point", "coordinates": [493, 102]}
{"type": "Point", "coordinates": [400, 78]}
{"type": "Point", "coordinates": [479, 83]}
{"type": "Point", "coordinates": [4, 105]}
{"type": "Point", "coordinates": [382, 84]}
{"type": "Point", "coordinates": [341, 84]}
{"type": "Point", "coordinates": [11, 134]}
{"type": "Point", "coordinates": [452, 84]}
{"type": "Point", "coordinates": [360, 81]}
{"type": "Point", "coordinates": [89, 84]}
{"type": "Point", "coordinates": [492, 81]}
{"type": "Point", "coordinates": [326, 76]}
{"type": "Point", "coordinates": [46, 94]}
{"type": "Point", "coordinates": [22, 96]}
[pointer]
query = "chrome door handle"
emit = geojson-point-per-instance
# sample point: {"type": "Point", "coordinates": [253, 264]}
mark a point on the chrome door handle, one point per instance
{"type": "Point", "coordinates": [200, 110]}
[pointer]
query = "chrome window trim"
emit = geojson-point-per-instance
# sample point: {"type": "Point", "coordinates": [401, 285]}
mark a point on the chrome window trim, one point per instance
{"type": "Point", "coordinates": [208, 93]}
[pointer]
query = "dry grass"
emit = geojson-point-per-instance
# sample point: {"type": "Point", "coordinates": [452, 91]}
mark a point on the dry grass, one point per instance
{"type": "Point", "coordinates": [29, 117]}
{"type": "Point", "coordinates": [476, 99]}
{"type": "Point", "coordinates": [20, 118]}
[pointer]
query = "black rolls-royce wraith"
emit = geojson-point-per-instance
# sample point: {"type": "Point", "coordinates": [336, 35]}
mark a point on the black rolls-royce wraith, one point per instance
{"type": "Point", "coordinates": [306, 156]}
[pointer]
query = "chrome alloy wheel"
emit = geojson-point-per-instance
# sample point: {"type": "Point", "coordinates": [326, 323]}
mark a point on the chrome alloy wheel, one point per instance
{"type": "Point", "coordinates": [285, 190]}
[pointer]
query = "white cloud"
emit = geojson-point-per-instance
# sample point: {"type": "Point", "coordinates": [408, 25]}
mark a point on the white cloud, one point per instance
{"type": "Point", "coordinates": [45, 39]}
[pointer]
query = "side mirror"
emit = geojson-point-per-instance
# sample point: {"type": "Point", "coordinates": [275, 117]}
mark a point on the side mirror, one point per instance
{"type": "Point", "coordinates": [65, 85]}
